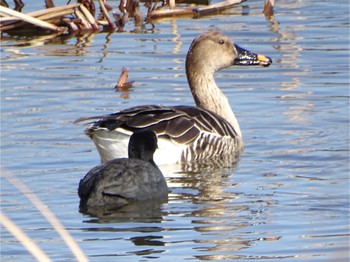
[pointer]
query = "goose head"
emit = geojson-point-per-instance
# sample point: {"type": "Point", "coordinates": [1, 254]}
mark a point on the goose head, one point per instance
{"type": "Point", "coordinates": [212, 51]}
{"type": "Point", "coordinates": [208, 53]}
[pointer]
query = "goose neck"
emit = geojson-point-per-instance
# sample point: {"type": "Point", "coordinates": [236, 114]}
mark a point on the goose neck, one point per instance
{"type": "Point", "coordinates": [208, 96]}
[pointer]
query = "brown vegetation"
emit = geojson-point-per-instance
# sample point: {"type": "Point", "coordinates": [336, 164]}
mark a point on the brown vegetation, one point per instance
{"type": "Point", "coordinates": [80, 17]}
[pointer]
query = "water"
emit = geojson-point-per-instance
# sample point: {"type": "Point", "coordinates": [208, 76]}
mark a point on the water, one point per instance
{"type": "Point", "coordinates": [286, 200]}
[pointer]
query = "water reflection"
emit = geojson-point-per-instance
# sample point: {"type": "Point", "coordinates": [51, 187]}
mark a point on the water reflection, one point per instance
{"type": "Point", "coordinates": [142, 211]}
{"type": "Point", "coordinates": [219, 215]}
{"type": "Point", "coordinates": [288, 44]}
{"type": "Point", "coordinates": [83, 41]}
{"type": "Point", "coordinates": [205, 197]}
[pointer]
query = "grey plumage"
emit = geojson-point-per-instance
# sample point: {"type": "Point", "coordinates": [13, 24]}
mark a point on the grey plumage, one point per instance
{"type": "Point", "coordinates": [120, 181]}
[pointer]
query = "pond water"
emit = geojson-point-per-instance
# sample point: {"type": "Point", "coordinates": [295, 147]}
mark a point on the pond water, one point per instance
{"type": "Point", "coordinates": [286, 200]}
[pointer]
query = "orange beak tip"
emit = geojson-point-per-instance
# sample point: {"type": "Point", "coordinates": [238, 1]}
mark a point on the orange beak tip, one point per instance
{"type": "Point", "coordinates": [264, 60]}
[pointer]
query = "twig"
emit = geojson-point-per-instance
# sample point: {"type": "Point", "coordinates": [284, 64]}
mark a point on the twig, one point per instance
{"type": "Point", "coordinates": [197, 11]}
{"type": "Point", "coordinates": [187, 11]}
{"type": "Point", "coordinates": [84, 22]}
{"type": "Point", "coordinates": [54, 10]}
{"type": "Point", "coordinates": [27, 242]}
{"type": "Point", "coordinates": [29, 19]}
{"type": "Point", "coordinates": [215, 8]}
{"type": "Point", "coordinates": [50, 217]}
{"type": "Point", "coordinates": [105, 13]}
{"type": "Point", "coordinates": [46, 13]}
{"type": "Point", "coordinates": [89, 17]}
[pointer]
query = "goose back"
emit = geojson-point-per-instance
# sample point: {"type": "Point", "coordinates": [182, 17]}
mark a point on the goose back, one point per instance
{"type": "Point", "coordinates": [197, 133]}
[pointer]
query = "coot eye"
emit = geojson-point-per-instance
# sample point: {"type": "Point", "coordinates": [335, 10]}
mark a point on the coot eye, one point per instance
{"type": "Point", "coordinates": [221, 42]}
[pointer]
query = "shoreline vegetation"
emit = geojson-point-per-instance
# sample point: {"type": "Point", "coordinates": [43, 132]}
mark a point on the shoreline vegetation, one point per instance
{"type": "Point", "coordinates": [85, 16]}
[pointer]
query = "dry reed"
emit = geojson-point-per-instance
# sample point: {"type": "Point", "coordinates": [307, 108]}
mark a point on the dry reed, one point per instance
{"type": "Point", "coordinates": [45, 211]}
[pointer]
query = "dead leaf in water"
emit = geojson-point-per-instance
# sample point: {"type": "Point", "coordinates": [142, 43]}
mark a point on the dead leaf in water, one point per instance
{"type": "Point", "coordinates": [122, 84]}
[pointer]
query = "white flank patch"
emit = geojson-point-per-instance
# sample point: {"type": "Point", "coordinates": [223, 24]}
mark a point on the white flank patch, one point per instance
{"type": "Point", "coordinates": [111, 145]}
{"type": "Point", "coordinates": [114, 144]}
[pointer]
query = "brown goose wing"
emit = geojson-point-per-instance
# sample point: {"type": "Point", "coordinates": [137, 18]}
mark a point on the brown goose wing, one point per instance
{"type": "Point", "coordinates": [209, 121]}
{"type": "Point", "coordinates": [182, 124]}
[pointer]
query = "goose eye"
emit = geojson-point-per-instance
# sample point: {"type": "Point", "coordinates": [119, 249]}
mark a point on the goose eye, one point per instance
{"type": "Point", "coordinates": [221, 42]}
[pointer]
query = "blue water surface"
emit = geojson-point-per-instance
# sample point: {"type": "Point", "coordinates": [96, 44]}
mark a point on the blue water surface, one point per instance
{"type": "Point", "coordinates": [286, 200]}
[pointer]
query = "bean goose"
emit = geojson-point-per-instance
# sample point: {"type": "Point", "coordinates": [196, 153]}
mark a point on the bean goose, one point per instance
{"type": "Point", "coordinates": [185, 133]}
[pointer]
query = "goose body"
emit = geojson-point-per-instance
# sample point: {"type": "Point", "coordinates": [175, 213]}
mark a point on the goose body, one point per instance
{"type": "Point", "coordinates": [124, 180]}
{"type": "Point", "coordinates": [185, 133]}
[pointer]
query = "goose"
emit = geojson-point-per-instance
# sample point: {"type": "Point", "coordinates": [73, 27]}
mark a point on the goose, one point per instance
{"type": "Point", "coordinates": [125, 180]}
{"type": "Point", "coordinates": [185, 133]}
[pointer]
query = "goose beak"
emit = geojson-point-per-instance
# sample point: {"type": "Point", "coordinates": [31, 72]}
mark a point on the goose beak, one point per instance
{"type": "Point", "coordinates": [245, 57]}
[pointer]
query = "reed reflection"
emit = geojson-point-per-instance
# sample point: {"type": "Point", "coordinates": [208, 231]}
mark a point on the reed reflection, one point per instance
{"type": "Point", "coordinates": [291, 50]}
